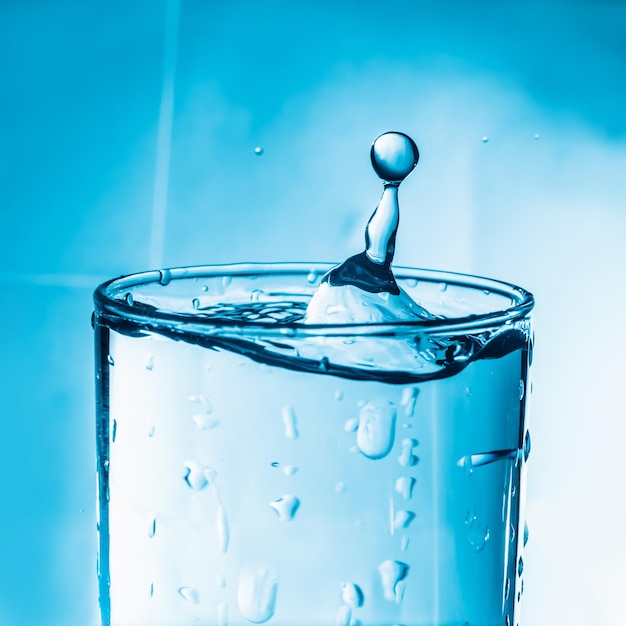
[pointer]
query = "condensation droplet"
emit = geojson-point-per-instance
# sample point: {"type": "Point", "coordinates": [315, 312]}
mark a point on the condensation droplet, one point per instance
{"type": "Point", "coordinates": [222, 614]}
{"type": "Point", "coordinates": [526, 446]}
{"type": "Point", "coordinates": [205, 288]}
{"type": "Point", "coordinates": [197, 475]}
{"type": "Point", "coordinates": [220, 581]}
{"type": "Point", "coordinates": [485, 139]}
{"type": "Point", "coordinates": [189, 594]}
{"type": "Point", "coordinates": [223, 532]}
{"type": "Point", "coordinates": [477, 532]}
{"type": "Point", "coordinates": [289, 470]}
{"type": "Point", "coordinates": [392, 573]}
{"type": "Point", "coordinates": [150, 430]}
{"type": "Point", "coordinates": [311, 277]}
{"type": "Point", "coordinates": [204, 421]}
{"type": "Point", "coordinates": [149, 362]}
{"type": "Point", "coordinates": [409, 397]}
{"type": "Point", "coordinates": [536, 136]}
{"type": "Point", "coordinates": [407, 458]}
{"type": "Point", "coordinates": [165, 276]}
{"type": "Point", "coordinates": [352, 595]}
{"type": "Point", "coordinates": [290, 422]}
{"type": "Point", "coordinates": [114, 431]}
{"type": "Point", "coordinates": [403, 519]}
{"type": "Point", "coordinates": [152, 527]}
{"type": "Point", "coordinates": [259, 151]}
{"type": "Point", "coordinates": [340, 487]}
{"type": "Point", "coordinates": [110, 359]}
{"type": "Point", "coordinates": [351, 425]}
{"type": "Point", "coordinates": [520, 566]}
{"type": "Point", "coordinates": [404, 486]}
{"type": "Point", "coordinates": [344, 615]}
{"type": "Point", "coordinates": [256, 594]}
{"type": "Point", "coordinates": [376, 428]}
{"type": "Point", "coordinates": [525, 533]}
{"type": "Point", "coordinates": [286, 507]}
{"type": "Point", "coordinates": [151, 590]}
{"type": "Point", "coordinates": [404, 543]}
{"type": "Point", "coordinates": [338, 395]}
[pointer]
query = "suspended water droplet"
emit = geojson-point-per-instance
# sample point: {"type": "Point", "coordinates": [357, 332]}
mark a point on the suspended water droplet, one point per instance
{"type": "Point", "coordinates": [526, 446]}
{"type": "Point", "coordinates": [404, 486]}
{"type": "Point", "coordinates": [286, 507]}
{"type": "Point", "coordinates": [338, 395]}
{"type": "Point", "coordinates": [485, 139]}
{"type": "Point", "coordinates": [525, 533]}
{"type": "Point", "coordinates": [409, 396]}
{"type": "Point", "coordinates": [114, 431]}
{"type": "Point", "coordinates": [152, 527]}
{"type": "Point", "coordinates": [198, 476]}
{"type": "Point", "coordinates": [220, 581]}
{"type": "Point", "coordinates": [256, 594]}
{"type": "Point", "coordinates": [189, 594]}
{"type": "Point", "coordinates": [205, 422]}
{"type": "Point", "coordinates": [311, 277]}
{"type": "Point", "coordinates": [344, 615]}
{"type": "Point", "coordinates": [222, 614]}
{"type": "Point", "coordinates": [165, 276]}
{"type": "Point", "coordinates": [352, 595]}
{"type": "Point", "coordinates": [392, 573]}
{"type": "Point", "coordinates": [129, 299]}
{"type": "Point", "coordinates": [223, 532]}
{"type": "Point", "coordinates": [351, 425]}
{"type": "Point", "coordinates": [407, 458]}
{"type": "Point", "coordinates": [536, 136]}
{"type": "Point", "coordinates": [259, 151]}
{"type": "Point", "coordinates": [289, 470]}
{"type": "Point", "coordinates": [477, 532]}
{"type": "Point", "coordinates": [110, 359]}
{"type": "Point", "coordinates": [403, 519]}
{"type": "Point", "coordinates": [195, 303]}
{"type": "Point", "coordinates": [205, 288]}
{"type": "Point", "coordinates": [290, 422]}
{"type": "Point", "coordinates": [520, 566]}
{"type": "Point", "coordinates": [376, 428]}
{"type": "Point", "coordinates": [404, 543]}
{"type": "Point", "coordinates": [149, 362]}
{"type": "Point", "coordinates": [507, 588]}
{"type": "Point", "coordinates": [340, 487]}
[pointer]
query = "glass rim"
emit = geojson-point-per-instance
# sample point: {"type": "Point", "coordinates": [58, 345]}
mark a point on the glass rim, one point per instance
{"type": "Point", "coordinates": [105, 302]}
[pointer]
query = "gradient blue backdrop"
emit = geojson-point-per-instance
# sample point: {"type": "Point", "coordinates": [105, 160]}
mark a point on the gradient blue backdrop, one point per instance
{"type": "Point", "coordinates": [127, 137]}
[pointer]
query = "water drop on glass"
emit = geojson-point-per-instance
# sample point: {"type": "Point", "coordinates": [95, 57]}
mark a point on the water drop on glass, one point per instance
{"type": "Point", "coordinates": [520, 566]}
{"type": "Point", "coordinates": [403, 519]}
{"type": "Point", "coordinates": [220, 581]}
{"type": "Point", "coordinates": [205, 422]}
{"type": "Point", "coordinates": [376, 428]}
{"type": "Point", "coordinates": [525, 533]}
{"type": "Point", "coordinates": [259, 151]}
{"type": "Point", "coordinates": [223, 533]}
{"type": "Point", "coordinates": [404, 543]}
{"type": "Point", "coordinates": [114, 431]}
{"type": "Point", "coordinates": [151, 589]}
{"type": "Point", "coordinates": [507, 621]}
{"type": "Point", "coordinates": [485, 139]}
{"type": "Point", "coordinates": [149, 362]}
{"type": "Point", "coordinates": [256, 594]}
{"type": "Point", "coordinates": [477, 532]}
{"type": "Point", "coordinates": [392, 573]}
{"type": "Point", "coordinates": [521, 389]}
{"type": "Point", "coordinates": [152, 527]}
{"type": "Point", "coordinates": [407, 458]}
{"type": "Point", "coordinates": [110, 359]}
{"type": "Point", "coordinates": [311, 277]}
{"type": "Point", "coordinates": [340, 487]}
{"type": "Point", "coordinates": [165, 276]}
{"type": "Point", "coordinates": [404, 486]}
{"type": "Point", "coordinates": [289, 470]}
{"type": "Point", "coordinates": [512, 533]}
{"type": "Point", "coordinates": [352, 595]}
{"type": "Point", "coordinates": [222, 614]}
{"type": "Point", "coordinates": [286, 507]}
{"type": "Point", "coordinates": [344, 615]}
{"type": "Point", "coordinates": [536, 136]}
{"type": "Point", "coordinates": [290, 422]}
{"type": "Point", "coordinates": [351, 425]}
{"type": "Point", "coordinates": [189, 594]}
{"type": "Point", "coordinates": [526, 446]}
{"type": "Point", "coordinates": [507, 588]}
{"type": "Point", "coordinates": [409, 396]}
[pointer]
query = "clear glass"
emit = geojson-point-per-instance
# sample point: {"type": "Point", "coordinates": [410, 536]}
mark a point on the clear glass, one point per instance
{"type": "Point", "coordinates": [255, 469]}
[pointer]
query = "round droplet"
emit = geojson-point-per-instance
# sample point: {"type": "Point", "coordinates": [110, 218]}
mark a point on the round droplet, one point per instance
{"type": "Point", "coordinates": [338, 395]}
{"type": "Point", "coordinates": [352, 595]}
{"type": "Point", "coordinates": [129, 299]}
{"type": "Point", "coordinates": [311, 278]}
{"type": "Point", "coordinates": [525, 533]}
{"type": "Point", "coordinates": [394, 155]}
{"type": "Point", "coordinates": [485, 139]}
{"type": "Point", "coordinates": [275, 464]}
{"type": "Point", "coordinates": [404, 486]}
{"type": "Point", "coordinates": [258, 151]}
{"type": "Point", "coordinates": [222, 614]}
{"type": "Point", "coordinates": [290, 422]}
{"type": "Point", "coordinates": [286, 507]}
{"type": "Point", "coordinates": [521, 389]}
{"type": "Point", "coordinates": [520, 566]}
{"type": "Point", "coordinates": [165, 276]}
{"type": "Point", "coordinates": [507, 588]}
{"type": "Point", "coordinates": [351, 425]}
{"type": "Point", "coordinates": [536, 136]}
{"type": "Point", "coordinates": [189, 594]}
{"type": "Point", "coordinates": [526, 446]}
{"type": "Point", "coordinates": [256, 594]}
{"type": "Point", "coordinates": [376, 428]}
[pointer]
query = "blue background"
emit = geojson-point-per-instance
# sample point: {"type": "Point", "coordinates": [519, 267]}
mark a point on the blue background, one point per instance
{"type": "Point", "coordinates": [127, 137]}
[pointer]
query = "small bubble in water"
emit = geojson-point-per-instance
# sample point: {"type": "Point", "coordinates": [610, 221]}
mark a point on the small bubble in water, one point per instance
{"type": "Point", "coordinates": [403, 519]}
{"type": "Point", "coordinates": [290, 421]}
{"type": "Point", "coordinates": [286, 507]}
{"type": "Point", "coordinates": [152, 527]}
{"type": "Point", "coordinates": [205, 422]}
{"type": "Point", "coordinates": [195, 303]}
{"type": "Point", "coordinates": [392, 573]}
{"type": "Point", "coordinates": [352, 595]}
{"type": "Point", "coordinates": [149, 362]}
{"type": "Point", "coordinates": [189, 594]}
{"type": "Point", "coordinates": [256, 594]}
{"type": "Point", "coordinates": [129, 299]}
{"type": "Point", "coordinates": [485, 139]}
{"type": "Point", "coordinates": [114, 431]}
{"type": "Point", "coordinates": [520, 566]}
{"type": "Point", "coordinates": [407, 458]}
{"type": "Point", "coordinates": [344, 615]}
{"type": "Point", "coordinates": [376, 428]}
{"type": "Point", "coordinates": [222, 614]}
{"type": "Point", "coordinates": [110, 359]}
{"type": "Point", "coordinates": [525, 533]}
{"type": "Point", "coordinates": [340, 487]}
{"type": "Point", "coordinates": [526, 446]}
{"type": "Point", "coordinates": [351, 425]}
{"type": "Point", "coordinates": [259, 151]}
{"type": "Point", "coordinates": [338, 395]}
{"type": "Point", "coordinates": [165, 277]}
